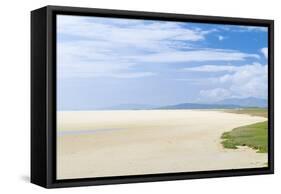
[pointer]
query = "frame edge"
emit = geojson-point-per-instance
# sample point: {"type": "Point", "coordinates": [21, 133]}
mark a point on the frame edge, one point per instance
{"type": "Point", "coordinates": [38, 168]}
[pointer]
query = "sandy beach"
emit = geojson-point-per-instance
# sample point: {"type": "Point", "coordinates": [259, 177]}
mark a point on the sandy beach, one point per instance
{"type": "Point", "coordinates": [116, 143]}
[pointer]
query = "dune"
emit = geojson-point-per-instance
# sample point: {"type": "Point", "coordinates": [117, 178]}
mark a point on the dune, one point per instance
{"type": "Point", "coordinates": [133, 142]}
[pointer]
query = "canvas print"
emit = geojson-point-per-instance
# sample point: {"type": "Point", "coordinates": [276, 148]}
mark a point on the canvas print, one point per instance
{"type": "Point", "coordinates": [138, 97]}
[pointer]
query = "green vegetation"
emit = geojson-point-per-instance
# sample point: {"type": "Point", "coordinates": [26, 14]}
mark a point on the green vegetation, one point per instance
{"type": "Point", "coordinates": [250, 111]}
{"type": "Point", "coordinates": [254, 136]}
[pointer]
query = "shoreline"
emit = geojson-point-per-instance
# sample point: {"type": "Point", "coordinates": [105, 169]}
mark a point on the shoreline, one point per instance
{"type": "Point", "coordinates": [157, 141]}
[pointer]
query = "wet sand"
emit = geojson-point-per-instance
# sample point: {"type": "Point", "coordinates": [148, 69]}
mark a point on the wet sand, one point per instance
{"type": "Point", "coordinates": [116, 143]}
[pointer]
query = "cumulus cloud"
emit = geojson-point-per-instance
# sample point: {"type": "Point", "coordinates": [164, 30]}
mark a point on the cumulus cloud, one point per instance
{"type": "Point", "coordinates": [237, 81]}
{"type": "Point", "coordinates": [249, 80]}
{"type": "Point", "coordinates": [264, 51]}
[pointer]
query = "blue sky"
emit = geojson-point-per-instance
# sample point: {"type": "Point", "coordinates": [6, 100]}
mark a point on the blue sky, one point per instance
{"type": "Point", "coordinates": [104, 62]}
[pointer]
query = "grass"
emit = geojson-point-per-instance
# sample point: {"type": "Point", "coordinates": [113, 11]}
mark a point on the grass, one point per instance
{"type": "Point", "coordinates": [251, 111]}
{"type": "Point", "coordinates": [254, 136]}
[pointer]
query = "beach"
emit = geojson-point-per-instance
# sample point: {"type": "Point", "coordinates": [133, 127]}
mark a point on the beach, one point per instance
{"type": "Point", "coordinates": [133, 142]}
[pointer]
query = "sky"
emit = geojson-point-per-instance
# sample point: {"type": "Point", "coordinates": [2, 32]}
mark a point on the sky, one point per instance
{"type": "Point", "coordinates": [104, 62]}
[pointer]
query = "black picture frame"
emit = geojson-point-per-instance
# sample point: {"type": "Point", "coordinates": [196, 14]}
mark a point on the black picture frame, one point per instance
{"type": "Point", "coordinates": [43, 96]}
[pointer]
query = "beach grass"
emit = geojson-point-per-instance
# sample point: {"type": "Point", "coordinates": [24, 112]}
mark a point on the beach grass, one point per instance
{"type": "Point", "coordinates": [254, 136]}
{"type": "Point", "coordinates": [263, 112]}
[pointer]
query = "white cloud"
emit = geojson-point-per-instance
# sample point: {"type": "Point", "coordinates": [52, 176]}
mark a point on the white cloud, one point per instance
{"type": "Point", "coordinates": [221, 37]}
{"type": "Point", "coordinates": [248, 80]}
{"type": "Point", "coordinates": [211, 68]}
{"type": "Point", "coordinates": [264, 51]}
{"type": "Point", "coordinates": [129, 32]}
{"type": "Point", "coordinates": [196, 81]}
{"type": "Point", "coordinates": [109, 47]}
{"type": "Point", "coordinates": [253, 28]}
{"type": "Point", "coordinates": [215, 94]}
{"type": "Point", "coordinates": [238, 81]}
{"type": "Point", "coordinates": [106, 47]}
{"type": "Point", "coordinates": [239, 28]}
{"type": "Point", "coordinates": [132, 75]}
{"type": "Point", "coordinates": [196, 55]}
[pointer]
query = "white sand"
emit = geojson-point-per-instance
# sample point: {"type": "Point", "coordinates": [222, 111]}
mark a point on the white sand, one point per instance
{"type": "Point", "coordinates": [115, 143]}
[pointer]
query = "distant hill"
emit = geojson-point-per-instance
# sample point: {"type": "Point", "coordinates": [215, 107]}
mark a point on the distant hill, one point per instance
{"type": "Point", "coordinates": [223, 104]}
{"type": "Point", "coordinates": [130, 107]}
{"type": "Point", "coordinates": [245, 102]}
{"type": "Point", "coordinates": [199, 106]}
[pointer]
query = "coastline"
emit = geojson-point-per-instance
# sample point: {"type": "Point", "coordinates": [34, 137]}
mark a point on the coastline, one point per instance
{"type": "Point", "coordinates": [149, 141]}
